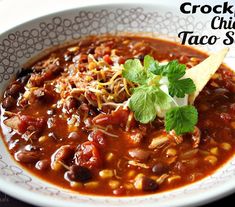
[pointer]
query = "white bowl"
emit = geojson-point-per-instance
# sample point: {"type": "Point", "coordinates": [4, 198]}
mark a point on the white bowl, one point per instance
{"type": "Point", "coordinates": [23, 42]}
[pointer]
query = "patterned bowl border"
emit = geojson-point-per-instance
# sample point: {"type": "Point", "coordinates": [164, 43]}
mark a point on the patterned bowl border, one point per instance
{"type": "Point", "coordinates": [20, 44]}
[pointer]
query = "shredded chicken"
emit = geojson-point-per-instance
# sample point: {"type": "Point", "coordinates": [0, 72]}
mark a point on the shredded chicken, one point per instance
{"type": "Point", "coordinates": [196, 137]}
{"type": "Point", "coordinates": [178, 138]}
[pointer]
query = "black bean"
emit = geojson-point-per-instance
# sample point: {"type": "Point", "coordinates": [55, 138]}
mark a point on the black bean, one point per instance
{"type": "Point", "coordinates": [149, 184]}
{"type": "Point", "coordinates": [24, 72]}
{"type": "Point", "coordinates": [23, 79]}
{"type": "Point", "coordinates": [159, 168]}
{"type": "Point", "coordinates": [74, 136]}
{"type": "Point", "coordinates": [91, 50]}
{"type": "Point", "coordinates": [8, 102]}
{"type": "Point", "coordinates": [141, 57]}
{"type": "Point", "coordinates": [78, 173]}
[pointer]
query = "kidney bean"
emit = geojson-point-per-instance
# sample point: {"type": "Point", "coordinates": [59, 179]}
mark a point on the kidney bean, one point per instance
{"type": "Point", "coordinates": [97, 137]}
{"type": "Point", "coordinates": [74, 135]}
{"type": "Point", "coordinates": [71, 103]}
{"type": "Point", "coordinates": [139, 154]}
{"type": "Point", "coordinates": [64, 153]}
{"type": "Point", "coordinates": [29, 121]}
{"type": "Point", "coordinates": [8, 102]}
{"type": "Point", "coordinates": [42, 164]}
{"type": "Point", "coordinates": [14, 90]}
{"type": "Point", "coordinates": [27, 156]}
{"type": "Point", "coordinates": [159, 168]}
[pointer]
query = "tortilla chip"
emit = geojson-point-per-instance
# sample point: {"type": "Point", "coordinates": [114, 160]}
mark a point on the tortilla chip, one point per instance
{"type": "Point", "coordinates": [202, 73]}
{"type": "Point", "coordinates": [12, 122]}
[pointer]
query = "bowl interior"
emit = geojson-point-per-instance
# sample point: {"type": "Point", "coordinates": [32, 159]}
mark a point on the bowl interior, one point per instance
{"type": "Point", "coordinates": [28, 40]}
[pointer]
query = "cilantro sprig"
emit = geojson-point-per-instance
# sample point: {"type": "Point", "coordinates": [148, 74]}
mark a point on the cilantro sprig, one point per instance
{"type": "Point", "coordinates": [148, 100]}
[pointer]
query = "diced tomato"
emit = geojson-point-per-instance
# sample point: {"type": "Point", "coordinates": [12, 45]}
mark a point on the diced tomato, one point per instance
{"type": "Point", "coordinates": [27, 121]}
{"type": "Point", "coordinates": [118, 117]}
{"type": "Point", "coordinates": [88, 156]}
{"type": "Point", "coordinates": [107, 59]}
{"type": "Point", "coordinates": [97, 137]}
{"type": "Point", "coordinates": [121, 60]}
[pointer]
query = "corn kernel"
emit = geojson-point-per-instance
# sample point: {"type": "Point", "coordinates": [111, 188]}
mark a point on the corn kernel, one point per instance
{"type": "Point", "coordinates": [72, 128]}
{"type": "Point", "coordinates": [214, 151]}
{"type": "Point", "coordinates": [173, 178]}
{"type": "Point", "coordinates": [92, 184]}
{"type": "Point", "coordinates": [106, 173]}
{"type": "Point", "coordinates": [138, 183]}
{"type": "Point", "coordinates": [43, 139]}
{"type": "Point", "coordinates": [26, 94]}
{"type": "Point", "coordinates": [128, 186]}
{"type": "Point", "coordinates": [74, 184]}
{"type": "Point", "coordinates": [56, 166]}
{"type": "Point", "coordinates": [53, 106]}
{"type": "Point", "coordinates": [225, 146]}
{"type": "Point", "coordinates": [131, 173]}
{"type": "Point", "coordinates": [215, 76]}
{"type": "Point", "coordinates": [109, 156]}
{"type": "Point", "coordinates": [113, 184]}
{"type": "Point", "coordinates": [91, 65]}
{"type": "Point", "coordinates": [211, 159]}
{"type": "Point", "coordinates": [171, 152]}
{"type": "Point", "coordinates": [214, 84]}
{"type": "Point", "coordinates": [73, 49]}
{"type": "Point", "coordinates": [154, 177]}
{"type": "Point", "coordinates": [125, 42]}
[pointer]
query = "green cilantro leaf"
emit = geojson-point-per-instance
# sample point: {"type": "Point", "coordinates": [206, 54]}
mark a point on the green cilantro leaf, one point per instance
{"type": "Point", "coordinates": [147, 101]}
{"type": "Point", "coordinates": [174, 71]}
{"type": "Point", "coordinates": [157, 69]}
{"type": "Point", "coordinates": [149, 63]}
{"type": "Point", "coordinates": [134, 71]}
{"type": "Point", "coordinates": [181, 119]}
{"type": "Point", "coordinates": [181, 87]}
